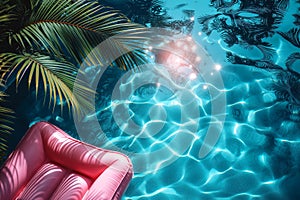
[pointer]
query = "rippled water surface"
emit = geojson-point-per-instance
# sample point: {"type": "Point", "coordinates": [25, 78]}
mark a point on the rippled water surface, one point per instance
{"type": "Point", "coordinates": [161, 122]}
{"type": "Point", "coordinates": [245, 163]}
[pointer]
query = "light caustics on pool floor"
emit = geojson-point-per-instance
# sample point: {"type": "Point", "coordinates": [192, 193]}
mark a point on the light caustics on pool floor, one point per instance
{"type": "Point", "coordinates": [160, 119]}
{"type": "Point", "coordinates": [245, 164]}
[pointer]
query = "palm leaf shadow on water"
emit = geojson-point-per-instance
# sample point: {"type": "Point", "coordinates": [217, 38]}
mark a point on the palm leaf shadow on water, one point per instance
{"type": "Point", "coordinates": [250, 24]}
{"type": "Point", "coordinates": [293, 36]}
{"type": "Point", "coordinates": [146, 12]}
{"type": "Point", "coordinates": [152, 13]}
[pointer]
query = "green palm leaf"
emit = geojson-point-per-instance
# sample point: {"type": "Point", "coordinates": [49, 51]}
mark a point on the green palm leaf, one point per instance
{"type": "Point", "coordinates": [73, 29]}
{"type": "Point", "coordinates": [6, 122]}
{"type": "Point", "coordinates": [7, 17]}
{"type": "Point", "coordinates": [57, 77]}
{"type": "Point", "coordinates": [6, 116]}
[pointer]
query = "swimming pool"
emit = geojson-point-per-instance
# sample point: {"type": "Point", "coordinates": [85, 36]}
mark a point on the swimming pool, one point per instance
{"type": "Point", "coordinates": [245, 163]}
{"type": "Point", "coordinates": [256, 155]}
{"type": "Point", "coordinates": [160, 117]}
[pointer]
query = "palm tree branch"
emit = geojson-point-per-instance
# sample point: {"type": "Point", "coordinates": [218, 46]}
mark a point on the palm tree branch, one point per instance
{"type": "Point", "coordinates": [49, 72]}
{"type": "Point", "coordinates": [56, 25]}
{"type": "Point", "coordinates": [6, 121]}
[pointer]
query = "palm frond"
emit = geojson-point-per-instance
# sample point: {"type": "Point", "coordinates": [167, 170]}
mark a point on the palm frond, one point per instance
{"type": "Point", "coordinates": [6, 114]}
{"type": "Point", "coordinates": [6, 122]}
{"type": "Point", "coordinates": [7, 16]}
{"type": "Point", "coordinates": [267, 51]}
{"type": "Point", "coordinates": [291, 60]}
{"type": "Point", "coordinates": [73, 29]}
{"type": "Point", "coordinates": [57, 78]}
{"type": "Point", "coordinates": [293, 36]}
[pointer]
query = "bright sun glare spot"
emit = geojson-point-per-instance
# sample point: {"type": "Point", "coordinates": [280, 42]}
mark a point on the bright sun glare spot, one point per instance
{"type": "Point", "coordinates": [218, 67]}
{"type": "Point", "coordinates": [193, 76]}
{"type": "Point", "coordinates": [205, 87]}
{"type": "Point", "coordinates": [192, 18]}
{"type": "Point", "coordinates": [175, 61]}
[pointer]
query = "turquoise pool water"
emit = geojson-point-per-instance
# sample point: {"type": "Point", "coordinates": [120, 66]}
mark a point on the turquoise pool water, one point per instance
{"type": "Point", "coordinates": [161, 117]}
{"type": "Point", "coordinates": [245, 163]}
{"type": "Point", "coordinates": [257, 153]}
